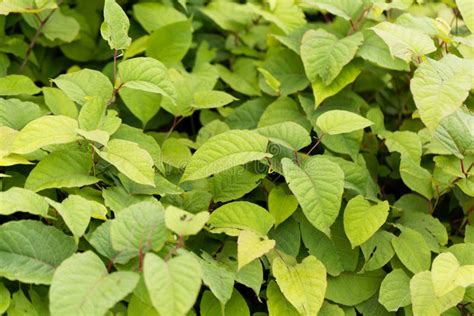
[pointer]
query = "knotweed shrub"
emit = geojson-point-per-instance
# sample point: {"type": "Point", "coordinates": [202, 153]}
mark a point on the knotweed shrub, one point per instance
{"type": "Point", "coordinates": [260, 157]}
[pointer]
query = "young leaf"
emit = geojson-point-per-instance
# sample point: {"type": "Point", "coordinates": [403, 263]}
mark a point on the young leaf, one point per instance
{"type": "Point", "coordinates": [303, 284]}
{"type": "Point", "coordinates": [44, 131]}
{"type": "Point", "coordinates": [319, 198]}
{"type": "Point", "coordinates": [225, 151]}
{"type": "Point", "coordinates": [211, 99]}
{"type": "Point", "coordinates": [61, 169]}
{"type": "Point", "coordinates": [133, 161]}
{"type": "Point", "coordinates": [174, 284]}
{"type": "Point", "coordinates": [362, 220]}
{"type": "Point", "coordinates": [444, 272]}
{"type": "Point", "coordinates": [395, 290]}
{"type": "Point", "coordinates": [31, 251]}
{"type": "Point", "coordinates": [251, 246]}
{"type": "Point", "coordinates": [233, 217]}
{"type": "Point", "coordinates": [281, 204]}
{"type": "Point", "coordinates": [17, 85]}
{"type": "Point", "coordinates": [338, 122]}
{"type": "Point", "coordinates": [82, 285]}
{"type": "Point", "coordinates": [324, 55]}
{"type": "Point", "coordinates": [115, 27]}
{"type": "Point", "coordinates": [184, 223]}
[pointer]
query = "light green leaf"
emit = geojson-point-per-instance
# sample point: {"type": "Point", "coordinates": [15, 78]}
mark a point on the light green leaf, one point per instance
{"type": "Point", "coordinates": [77, 211]}
{"type": "Point", "coordinates": [378, 250]}
{"type": "Point", "coordinates": [412, 250]}
{"type": "Point", "coordinates": [25, 6]}
{"type": "Point", "coordinates": [346, 9]}
{"type": "Point", "coordinates": [82, 286]}
{"type": "Point", "coordinates": [152, 15]}
{"type": "Point", "coordinates": [283, 110]}
{"type": "Point", "coordinates": [17, 85]}
{"type": "Point", "coordinates": [456, 133]}
{"type": "Point", "coordinates": [236, 306]}
{"type": "Point", "coordinates": [439, 88]}
{"type": "Point", "coordinates": [281, 204]}
{"type": "Point", "coordinates": [174, 284]}
{"type": "Point", "coordinates": [133, 161]}
{"type": "Point", "coordinates": [465, 276]}
{"type": "Point", "coordinates": [347, 75]}
{"type": "Point", "coordinates": [233, 217]}
{"type": "Point", "coordinates": [288, 134]}
{"type": "Point", "coordinates": [218, 277]}
{"type": "Point", "coordinates": [30, 251]}
{"type": "Point", "coordinates": [416, 177]}
{"type": "Point", "coordinates": [146, 74]}
{"type": "Point", "coordinates": [60, 26]}
{"type": "Point", "coordinates": [320, 199]}
{"type": "Point", "coordinates": [4, 298]}
{"type": "Point", "coordinates": [251, 246]}
{"type": "Point", "coordinates": [115, 27]}
{"type": "Point", "coordinates": [444, 272]}
{"type": "Point", "coordinates": [303, 284]}
{"type": "Point", "coordinates": [144, 105]}
{"type": "Point", "coordinates": [404, 43]}
{"type": "Point", "coordinates": [101, 241]}
{"type": "Point", "coordinates": [20, 305]}
{"type": "Point", "coordinates": [277, 304]}
{"type": "Point", "coordinates": [139, 228]}
{"type": "Point", "coordinates": [211, 99]}
{"type": "Point", "coordinates": [467, 12]}
{"type": "Point", "coordinates": [407, 143]}
{"type": "Point", "coordinates": [80, 85]}
{"type": "Point", "coordinates": [16, 114]}
{"type": "Point", "coordinates": [184, 223]}
{"type": "Point", "coordinates": [331, 310]}
{"type": "Point", "coordinates": [170, 43]}
{"type": "Point", "coordinates": [237, 81]}
{"type": "Point", "coordinates": [362, 220]}
{"type": "Point", "coordinates": [61, 169]}
{"type": "Point", "coordinates": [93, 114]}
{"type": "Point", "coordinates": [395, 290]}
{"type": "Point", "coordinates": [229, 15]}
{"type": "Point", "coordinates": [224, 151]}
{"type": "Point", "coordinates": [98, 136]}
{"type": "Point", "coordinates": [324, 55]}
{"type": "Point", "coordinates": [353, 288]}
{"type": "Point", "coordinates": [22, 200]}
{"type": "Point", "coordinates": [44, 131]}
{"type": "Point", "coordinates": [338, 122]}
{"type": "Point", "coordinates": [234, 183]}
{"type": "Point", "coordinates": [59, 103]}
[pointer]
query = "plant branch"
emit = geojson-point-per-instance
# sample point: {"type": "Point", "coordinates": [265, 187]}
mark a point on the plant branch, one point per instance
{"type": "Point", "coordinates": [35, 37]}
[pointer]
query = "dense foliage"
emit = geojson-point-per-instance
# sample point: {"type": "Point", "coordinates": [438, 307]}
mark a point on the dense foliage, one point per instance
{"type": "Point", "coordinates": [194, 157]}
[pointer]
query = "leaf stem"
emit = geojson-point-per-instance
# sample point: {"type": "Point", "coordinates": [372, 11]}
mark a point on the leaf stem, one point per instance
{"type": "Point", "coordinates": [35, 37]}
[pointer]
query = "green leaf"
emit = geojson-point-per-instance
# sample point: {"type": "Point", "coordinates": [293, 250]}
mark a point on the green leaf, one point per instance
{"type": "Point", "coordinates": [338, 122]}
{"type": "Point", "coordinates": [30, 251]}
{"type": "Point", "coordinates": [324, 55]}
{"type": "Point", "coordinates": [283, 110]}
{"type": "Point", "coordinates": [444, 272]}
{"type": "Point", "coordinates": [82, 285]}
{"type": "Point", "coordinates": [92, 114]}
{"type": "Point", "coordinates": [353, 288]}
{"type": "Point", "coordinates": [144, 105]}
{"type": "Point", "coordinates": [346, 9]}
{"type": "Point", "coordinates": [303, 284]}
{"type": "Point", "coordinates": [77, 211]}
{"type": "Point", "coordinates": [251, 246]}
{"type": "Point", "coordinates": [20, 305]}
{"type": "Point", "coordinates": [467, 12]}
{"type": "Point", "coordinates": [139, 228]}
{"type": "Point", "coordinates": [234, 183]}
{"type": "Point", "coordinates": [229, 15]}
{"type": "Point", "coordinates": [407, 143]}
{"type": "Point", "coordinates": [184, 223]}
{"type": "Point", "coordinates": [233, 217]}
{"type": "Point", "coordinates": [404, 43]}
{"type": "Point", "coordinates": [395, 290]}
{"type": "Point", "coordinates": [281, 204]}
{"type": "Point", "coordinates": [456, 133]}
{"type": "Point", "coordinates": [22, 200]}
{"type": "Point", "coordinates": [60, 26]}
{"type": "Point", "coordinates": [331, 310]}
{"type": "Point", "coordinates": [347, 75]}
{"type": "Point", "coordinates": [236, 306]}
{"type": "Point", "coordinates": [146, 74]}
{"type": "Point", "coordinates": [278, 305]}
{"type": "Point", "coordinates": [44, 131]}
{"type": "Point", "coordinates": [416, 177]}
{"type": "Point", "coordinates": [378, 250]}
{"type": "Point", "coordinates": [61, 169]}
{"type": "Point", "coordinates": [439, 88]}
{"type": "Point", "coordinates": [211, 99]}
{"type": "Point", "coordinates": [115, 27]}
{"type": "Point", "coordinates": [412, 250]}
{"type": "Point", "coordinates": [218, 277]}
{"type": "Point", "coordinates": [288, 134]}
{"type": "Point", "coordinates": [237, 81]}
{"type": "Point", "coordinates": [80, 85]}
{"type": "Point", "coordinates": [16, 114]}
{"type": "Point", "coordinates": [225, 151]}
{"type": "Point", "coordinates": [174, 284]}
{"type": "Point", "coordinates": [4, 298]}
{"type": "Point", "coordinates": [170, 43]}
{"type": "Point", "coordinates": [319, 199]}
{"type": "Point", "coordinates": [133, 161]}
{"type": "Point", "coordinates": [59, 103]}
{"type": "Point", "coordinates": [17, 85]}
{"type": "Point", "coordinates": [152, 16]}
{"type": "Point", "coordinates": [362, 220]}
